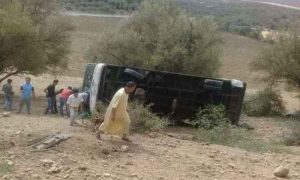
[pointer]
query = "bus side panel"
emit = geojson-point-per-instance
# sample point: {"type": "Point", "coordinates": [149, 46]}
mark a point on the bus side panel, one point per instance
{"type": "Point", "coordinates": [95, 86]}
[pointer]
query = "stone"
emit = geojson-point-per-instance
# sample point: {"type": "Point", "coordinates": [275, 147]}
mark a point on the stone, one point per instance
{"type": "Point", "coordinates": [106, 175]}
{"type": "Point", "coordinates": [153, 135]}
{"type": "Point", "coordinates": [124, 148]}
{"type": "Point", "coordinates": [47, 162]}
{"type": "Point", "coordinates": [172, 145]}
{"type": "Point", "coordinates": [232, 165]}
{"type": "Point", "coordinates": [105, 151]}
{"type": "Point", "coordinates": [53, 170]}
{"type": "Point", "coordinates": [129, 163]}
{"type": "Point", "coordinates": [66, 176]}
{"type": "Point", "coordinates": [281, 172]}
{"type": "Point", "coordinates": [9, 162]}
{"type": "Point", "coordinates": [82, 168]}
{"type": "Point", "coordinates": [12, 143]}
{"type": "Point", "coordinates": [6, 114]}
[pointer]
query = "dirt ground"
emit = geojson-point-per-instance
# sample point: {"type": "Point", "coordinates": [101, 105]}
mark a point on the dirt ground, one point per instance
{"type": "Point", "coordinates": [152, 156]}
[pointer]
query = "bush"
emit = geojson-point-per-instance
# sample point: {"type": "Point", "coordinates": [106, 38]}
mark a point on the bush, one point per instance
{"type": "Point", "coordinates": [211, 116]}
{"type": "Point", "coordinates": [142, 120]}
{"type": "Point", "coordinates": [264, 103]}
{"type": "Point", "coordinates": [294, 138]}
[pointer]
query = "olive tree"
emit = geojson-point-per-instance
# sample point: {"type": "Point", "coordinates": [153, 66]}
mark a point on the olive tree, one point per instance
{"type": "Point", "coordinates": [162, 36]}
{"type": "Point", "coordinates": [281, 60]}
{"type": "Point", "coordinates": [34, 37]}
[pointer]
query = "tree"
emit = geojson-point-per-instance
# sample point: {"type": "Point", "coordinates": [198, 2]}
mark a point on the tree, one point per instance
{"type": "Point", "coordinates": [162, 36]}
{"type": "Point", "coordinates": [34, 38]}
{"type": "Point", "coordinates": [281, 60]}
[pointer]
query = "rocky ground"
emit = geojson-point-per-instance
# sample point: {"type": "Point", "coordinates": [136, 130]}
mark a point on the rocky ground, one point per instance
{"type": "Point", "coordinates": [151, 156]}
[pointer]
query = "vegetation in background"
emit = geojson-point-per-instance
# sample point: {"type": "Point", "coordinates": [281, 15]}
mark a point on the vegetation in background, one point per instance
{"type": "Point", "coordinates": [101, 6]}
{"type": "Point", "coordinates": [162, 36]}
{"type": "Point", "coordinates": [281, 60]}
{"type": "Point", "coordinates": [143, 120]}
{"type": "Point", "coordinates": [264, 103]}
{"type": "Point", "coordinates": [244, 18]}
{"type": "Point", "coordinates": [34, 38]}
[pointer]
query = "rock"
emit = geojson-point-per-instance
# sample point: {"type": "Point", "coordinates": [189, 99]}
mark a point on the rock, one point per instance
{"type": "Point", "coordinates": [172, 135]}
{"type": "Point", "coordinates": [53, 170]}
{"type": "Point", "coordinates": [6, 114]}
{"type": "Point", "coordinates": [106, 175]}
{"type": "Point", "coordinates": [172, 145]}
{"type": "Point", "coordinates": [124, 148]}
{"type": "Point", "coordinates": [66, 176]}
{"type": "Point", "coordinates": [12, 143]}
{"type": "Point", "coordinates": [10, 163]}
{"type": "Point", "coordinates": [129, 163]}
{"type": "Point", "coordinates": [47, 162]}
{"type": "Point", "coordinates": [18, 132]}
{"type": "Point", "coordinates": [114, 149]}
{"type": "Point", "coordinates": [281, 172]}
{"type": "Point", "coordinates": [153, 135]}
{"type": "Point", "coordinates": [105, 151]}
{"type": "Point", "coordinates": [82, 168]}
{"type": "Point", "coordinates": [232, 165]}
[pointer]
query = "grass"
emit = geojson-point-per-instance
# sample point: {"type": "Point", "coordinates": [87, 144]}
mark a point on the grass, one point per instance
{"type": "Point", "coordinates": [240, 138]}
{"type": "Point", "coordinates": [5, 168]}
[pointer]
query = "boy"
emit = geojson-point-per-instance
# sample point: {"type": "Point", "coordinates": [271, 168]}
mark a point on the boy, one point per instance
{"type": "Point", "coordinates": [74, 102]}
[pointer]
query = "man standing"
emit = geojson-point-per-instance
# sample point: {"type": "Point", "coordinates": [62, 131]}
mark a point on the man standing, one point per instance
{"type": "Point", "coordinates": [50, 94]}
{"type": "Point", "coordinates": [74, 102]}
{"type": "Point", "coordinates": [116, 120]}
{"type": "Point", "coordinates": [64, 95]}
{"type": "Point", "coordinates": [8, 95]}
{"type": "Point", "coordinates": [27, 92]}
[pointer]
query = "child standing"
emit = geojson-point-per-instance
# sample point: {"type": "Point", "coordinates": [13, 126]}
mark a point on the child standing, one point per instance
{"type": "Point", "coordinates": [74, 102]}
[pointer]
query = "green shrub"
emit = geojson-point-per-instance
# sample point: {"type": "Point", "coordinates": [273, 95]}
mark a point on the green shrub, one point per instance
{"type": "Point", "coordinates": [143, 120]}
{"type": "Point", "coordinates": [294, 138]}
{"type": "Point", "coordinates": [5, 168]}
{"type": "Point", "coordinates": [264, 103]}
{"type": "Point", "coordinates": [211, 116]}
{"type": "Point", "coordinates": [237, 137]}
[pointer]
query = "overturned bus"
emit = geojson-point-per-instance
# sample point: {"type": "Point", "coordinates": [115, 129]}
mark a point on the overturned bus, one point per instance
{"type": "Point", "coordinates": [167, 92]}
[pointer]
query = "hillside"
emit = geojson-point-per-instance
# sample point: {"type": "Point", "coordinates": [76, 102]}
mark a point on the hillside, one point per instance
{"type": "Point", "coordinates": [235, 16]}
{"type": "Point", "coordinates": [294, 3]}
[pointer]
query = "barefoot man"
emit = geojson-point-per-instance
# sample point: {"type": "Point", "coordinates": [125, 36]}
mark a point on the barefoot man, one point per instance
{"type": "Point", "coordinates": [116, 120]}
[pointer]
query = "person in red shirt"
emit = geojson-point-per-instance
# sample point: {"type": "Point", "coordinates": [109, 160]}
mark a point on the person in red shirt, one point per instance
{"type": "Point", "coordinates": [64, 95]}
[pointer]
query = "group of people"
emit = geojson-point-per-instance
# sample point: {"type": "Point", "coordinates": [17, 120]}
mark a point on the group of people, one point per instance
{"type": "Point", "coordinates": [116, 120]}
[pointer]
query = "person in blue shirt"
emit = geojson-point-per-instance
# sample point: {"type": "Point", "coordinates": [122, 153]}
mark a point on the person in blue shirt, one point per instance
{"type": "Point", "coordinates": [27, 92]}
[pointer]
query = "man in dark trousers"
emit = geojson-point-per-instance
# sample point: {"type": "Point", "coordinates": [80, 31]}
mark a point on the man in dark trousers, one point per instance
{"type": "Point", "coordinates": [51, 95]}
{"type": "Point", "coordinates": [8, 94]}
